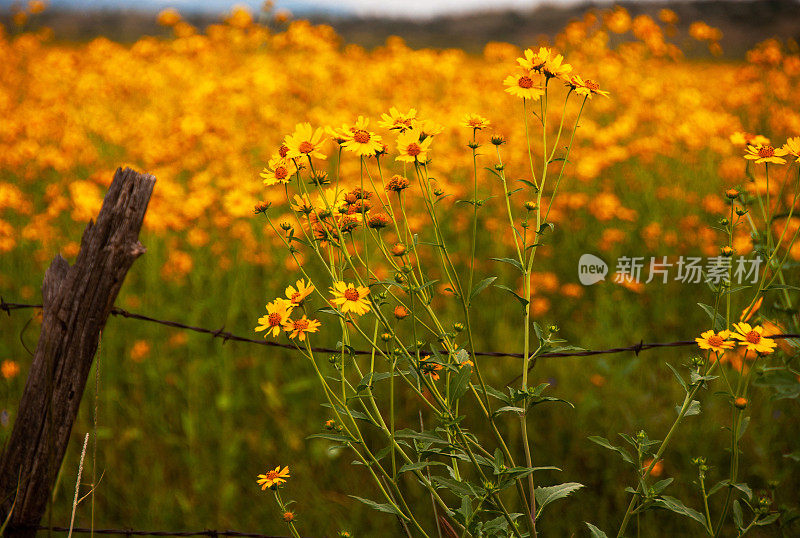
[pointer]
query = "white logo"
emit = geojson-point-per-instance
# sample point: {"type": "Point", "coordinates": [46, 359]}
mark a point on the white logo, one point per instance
{"type": "Point", "coordinates": [591, 269]}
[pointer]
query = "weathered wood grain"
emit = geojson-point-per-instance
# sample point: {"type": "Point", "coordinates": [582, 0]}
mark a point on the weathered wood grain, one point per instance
{"type": "Point", "coordinates": [76, 303]}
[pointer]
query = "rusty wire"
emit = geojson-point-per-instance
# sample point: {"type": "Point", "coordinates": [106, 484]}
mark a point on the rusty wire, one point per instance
{"type": "Point", "coordinates": [225, 335]}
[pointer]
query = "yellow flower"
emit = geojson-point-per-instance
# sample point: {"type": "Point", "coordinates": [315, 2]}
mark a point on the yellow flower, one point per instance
{"type": "Point", "coordinates": [534, 61]}
{"type": "Point", "coordinates": [792, 147]}
{"type": "Point", "coordinates": [277, 312]}
{"type": "Point", "coordinates": [350, 298]}
{"type": "Point", "coordinates": [546, 62]}
{"type": "Point", "coordinates": [273, 478]}
{"type": "Point", "coordinates": [427, 128]}
{"type": "Point", "coordinates": [429, 368]}
{"type": "Point", "coordinates": [585, 87]}
{"type": "Point", "coordinates": [305, 141]}
{"type": "Point", "coordinates": [9, 369]}
{"type": "Point", "coordinates": [411, 148]}
{"type": "Point", "coordinates": [474, 121]}
{"type": "Point", "coordinates": [297, 296]}
{"type": "Point", "coordinates": [302, 204]}
{"type": "Point", "coordinates": [278, 171]}
{"type": "Point", "coordinates": [361, 141]}
{"type": "Point", "coordinates": [555, 67]}
{"type": "Point", "coordinates": [299, 327]}
{"type": "Point", "coordinates": [753, 338]}
{"type": "Point", "coordinates": [765, 154]}
{"type": "Point", "coordinates": [168, 17]}
{"type": "Point", "coordinates": [395, 121]}
{"type": "Point", "coordinates": [717, 342]}
{"type": "Point", "coordinates": [523, 86]}
{"type": "Point", "coordinates": [741, 138]}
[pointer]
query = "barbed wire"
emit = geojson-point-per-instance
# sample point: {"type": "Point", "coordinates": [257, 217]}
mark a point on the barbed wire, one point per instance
{"type": "Point", "coordinates": [133, 532]}
{"type": "Point", "coordinates": [226, 336]}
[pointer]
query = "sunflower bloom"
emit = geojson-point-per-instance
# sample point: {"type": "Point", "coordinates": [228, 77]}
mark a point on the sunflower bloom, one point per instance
{"type": "Point", "coordinates": [474, 121]}
{"type": "Point", "coordinates": [753, 338]}
{"type": "Point", "coordinates": [396, 121]}
{"type": "Point", "coordinates": [555, 67]}
{"type": "Point", "coordinates": [716, 342]}
{"type": "Point", "coordinates": [587, 87]}
{"type": "Point", "coordinates": [277, 312]}
{"type": "Point", "coordinates": [523, 86]}
{"type": "Point", "coordinates": [534, 61]}
{"type": "Point", "coordinates": [298, 295]}
{"type": "Point", "coordinates": [304, 142]}
{"type": "Point", "coordinates": [273, 478]}
{"type": "Point", "coordinates": [350, 298]}
{"type": "Point", "coordinates": [278, 171]}
{"type": "Point", "coordinates": [361, 141]}
{"type": "Point", "coordinates": [792, 147]}
{"type": "Point", "coordinates": [411, 148]}
{"type": "Point", "coordinates": [429, 368]}
{"type": "Point", "coordinates": [766, 154]}
{"type": "Point", "coordinates": [297, 328]}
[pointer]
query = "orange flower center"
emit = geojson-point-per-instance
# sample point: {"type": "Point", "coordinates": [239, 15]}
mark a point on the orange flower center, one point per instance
{"type": "Point", "coordinates": [283, 151]}
{"type": "Point", "coordinates": [525, 82]}
{"type": "Point", "coordinates": [361, 136]}
{"type": "Point", "coordinates": [306, 147]}
{"type": "Point", "coordinates": [281, 172]}
{"type": "Point", "coordinates": [301, 325]}
{"type": "Point", "coordinates": [753, 337]}
{"type": "Point", "coordinates": [592, 85]}
{"type": "Point", "coordinates": [766, 151]}
{"type": "Point", "coordinates": [413, 149]}
{"type": "Point", "coordinates": [272, 475]}
{"type": "Point", "coordinates": [295, 298]}
{"type": "Point", "coordinates": [274, 319]}
{"type": "Point", "coordinates": [351, 294]}
{"type": "Point", "coordinates": [715, 341]}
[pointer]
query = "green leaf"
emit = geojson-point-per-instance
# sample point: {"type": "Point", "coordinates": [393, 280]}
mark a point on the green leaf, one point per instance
{"type": "Point", "coordinates": [494, 393]}
{"type": "Point", "coordinates": [605, 443]}
{"type": "Point", "coordinates": [388, 508]}
{"type": "Point", "coordinates": [417, 465]}
{"type": "Point", "coordinates": [522, 300]}
{"type": "Point", "coordinates": [717, 320]}
{"type": "Point", "coordinates": [661, 485]}
{"type": "Point", "coordinates": [678, 377]}
{"type": "Point", "coordinates": [510, 261]}
{"type": "Point", "coordinates": [674, 505]}
{"type": "Point", "coordinates": [768, 520]}
{"type": "Point", "coordinates": [462, 489]}
{"type": "Point", "coordinates": [596, 533]}
{"type": "Point", "coordinates": [738, 517]}
{"type": "Point", "coordinates": [782, 287]}
{"type": "Point", "coordinates": [339, 438]}
{"type": "Point", "coordinates": [546, 495]}
{"type": "Point", "coordinates": [509, 409]}
{"type": "Point", "coordinates": [482, 285]}
{"type": "Point", "coordinates": [693, 409]}
{"type": "Point", "coordinates": [424, 436]}
{"type": "Point", "coordinates": [460, 382]}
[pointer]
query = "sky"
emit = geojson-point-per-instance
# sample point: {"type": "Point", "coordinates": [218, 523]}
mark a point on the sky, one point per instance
{"type": "Point", "coordinates": [391, 8]}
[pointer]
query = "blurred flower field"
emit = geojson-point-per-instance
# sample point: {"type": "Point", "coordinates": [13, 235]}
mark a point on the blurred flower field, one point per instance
{"type": "Point", "coordinates": [186, 423]}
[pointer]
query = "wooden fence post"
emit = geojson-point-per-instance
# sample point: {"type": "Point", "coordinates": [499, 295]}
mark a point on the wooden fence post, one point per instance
{"type": "Point", "coordinates": [76, 303]}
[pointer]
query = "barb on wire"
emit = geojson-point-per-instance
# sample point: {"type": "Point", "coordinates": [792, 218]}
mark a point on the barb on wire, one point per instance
{"type": "Point", "coordinates": [221, 333]}
{"type": "Point", "coordinates": [132, 532]}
